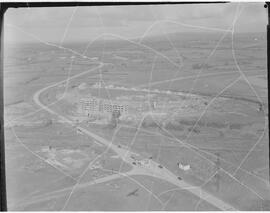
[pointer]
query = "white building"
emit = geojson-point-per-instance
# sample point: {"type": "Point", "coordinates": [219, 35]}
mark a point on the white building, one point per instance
{"type": "Point", "coordinates": [93, 105]}
{"type": "Point", "coordinates": [184, 167]}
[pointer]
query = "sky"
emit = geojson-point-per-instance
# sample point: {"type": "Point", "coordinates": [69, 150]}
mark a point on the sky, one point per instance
{"type": "Point", "coordinates": [59, 25]}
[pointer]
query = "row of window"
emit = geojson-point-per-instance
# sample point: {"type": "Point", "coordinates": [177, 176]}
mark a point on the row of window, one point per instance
{"type": "Point", "coordinates": [95, 105]}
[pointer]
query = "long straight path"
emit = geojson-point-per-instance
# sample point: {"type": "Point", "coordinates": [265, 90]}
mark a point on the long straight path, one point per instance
{"type": "Point", "coordinates": [151, 169]}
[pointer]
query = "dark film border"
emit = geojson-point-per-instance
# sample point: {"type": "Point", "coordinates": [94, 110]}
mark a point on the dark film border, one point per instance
{"type": "Point", "coordinates": [267, 5]}
{"type": "Point", "coordinates": [3, 9]}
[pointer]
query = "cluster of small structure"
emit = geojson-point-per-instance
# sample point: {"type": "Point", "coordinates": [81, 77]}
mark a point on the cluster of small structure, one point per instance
{"type": "Point", "coordinates": [88, 106]}
{"type": "Point", "coordinates": [134, 106]}
{"type": "Point", "coordinates": [124, 105]}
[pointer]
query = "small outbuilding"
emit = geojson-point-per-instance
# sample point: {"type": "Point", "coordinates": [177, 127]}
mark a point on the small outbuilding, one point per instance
{"type": "Point", "coordinates": [183, 166]}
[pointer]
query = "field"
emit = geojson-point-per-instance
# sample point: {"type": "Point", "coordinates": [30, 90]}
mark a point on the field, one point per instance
{"type": "Point", "coordinates": [214, 119]}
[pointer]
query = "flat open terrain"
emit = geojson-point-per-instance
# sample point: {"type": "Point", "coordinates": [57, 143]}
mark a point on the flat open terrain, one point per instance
{"type": "Point", "coordinates": [207, 115]}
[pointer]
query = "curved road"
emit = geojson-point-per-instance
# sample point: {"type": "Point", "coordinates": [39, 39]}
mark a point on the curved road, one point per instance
{"type": "Point", "coordinates": [151, 169]}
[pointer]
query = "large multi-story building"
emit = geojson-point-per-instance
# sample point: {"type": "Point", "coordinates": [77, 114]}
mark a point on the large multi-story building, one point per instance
{"type": "Point", "coordinates": [88, 104]}
{"type": "Point", "coordinates": [94, 105]}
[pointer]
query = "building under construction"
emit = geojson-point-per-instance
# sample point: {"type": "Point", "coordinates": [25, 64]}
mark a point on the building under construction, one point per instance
{"type": "Point", "coordinates": [92, 105]}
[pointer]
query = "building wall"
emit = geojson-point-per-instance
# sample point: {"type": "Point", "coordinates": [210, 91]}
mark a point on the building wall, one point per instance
{"type": "Point", "coordinates": [94, 105]}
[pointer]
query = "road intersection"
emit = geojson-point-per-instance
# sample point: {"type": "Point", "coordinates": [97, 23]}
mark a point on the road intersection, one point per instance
{"type": "Point", "coordinates": [152, 168]}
